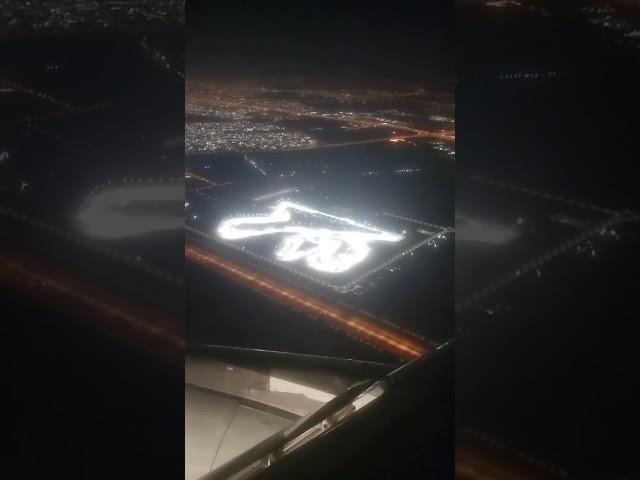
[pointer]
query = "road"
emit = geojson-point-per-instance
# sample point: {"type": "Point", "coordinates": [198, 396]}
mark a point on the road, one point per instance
{"type": "Point", "coordinates": [364, 329]}
{"type": "Point", "coordinates": [208, 184]}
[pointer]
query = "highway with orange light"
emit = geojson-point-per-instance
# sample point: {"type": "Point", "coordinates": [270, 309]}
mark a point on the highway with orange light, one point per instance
{"type": "Point", "coordinates": [208, 183]}
{"type": "Point", "coordinates": [473, 462]}
{"type": "Point", "coordinates": [445, 136]}
{"type": "Point", "coordinates": [381, 336]}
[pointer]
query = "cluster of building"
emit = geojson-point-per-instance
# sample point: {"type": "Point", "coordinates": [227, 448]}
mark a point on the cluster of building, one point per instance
{"type": "Point", "coordinates": [62, 15]}
{"type": "Point", "coordinates": [242, 135]}
{"type": "Point", "coordinates": [209, 111]}
{"type": "Point", "coordinates": [255, 118]}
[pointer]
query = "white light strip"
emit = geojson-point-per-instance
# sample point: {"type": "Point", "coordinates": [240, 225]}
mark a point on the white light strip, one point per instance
{"type": "Point", "coordinates": [368, 396]}
{"type": "Point", "coordinates": [326, 250]}
{"type": "Point", "coordinates": [274, 194]}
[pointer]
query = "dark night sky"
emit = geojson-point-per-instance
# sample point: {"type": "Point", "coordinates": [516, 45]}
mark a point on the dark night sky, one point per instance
{"type": "Point", "coordinates": [390, 44]}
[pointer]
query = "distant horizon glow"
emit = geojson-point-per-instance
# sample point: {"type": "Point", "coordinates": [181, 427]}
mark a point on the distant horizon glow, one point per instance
{"type": "Point", "coordinates": [323, 249]}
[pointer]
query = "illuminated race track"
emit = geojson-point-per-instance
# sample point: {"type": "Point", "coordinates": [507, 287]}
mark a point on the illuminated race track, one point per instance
{"type": "Point", "coordinates": [332, 251]}
{"type": "Point", "coordinates": [382, 337]}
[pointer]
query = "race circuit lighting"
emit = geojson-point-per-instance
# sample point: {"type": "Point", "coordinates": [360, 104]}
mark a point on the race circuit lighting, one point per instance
{"type": "Point", "coordinates": [323, 249]}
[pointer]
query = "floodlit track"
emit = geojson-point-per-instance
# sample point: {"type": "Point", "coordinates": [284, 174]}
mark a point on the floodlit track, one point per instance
{"type": "Point", "coordinates": [364, 329]}
{"type": "Point", "coordinates": [333, 251]}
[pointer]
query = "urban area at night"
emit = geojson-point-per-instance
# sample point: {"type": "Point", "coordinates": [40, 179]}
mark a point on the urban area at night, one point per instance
{"type": "Point", "coordinates": [258, 240]}
{"type": "Point", "coordinates": [323, 191]}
